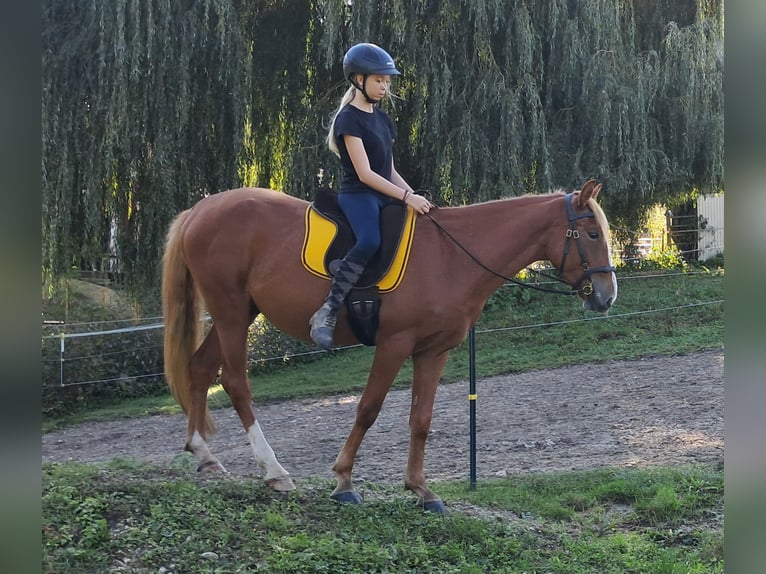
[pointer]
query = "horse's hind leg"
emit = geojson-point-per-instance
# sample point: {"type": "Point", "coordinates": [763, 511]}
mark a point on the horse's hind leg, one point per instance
{"type": "Point", "coordinates": [204, 366]}
{"type": "Point", "coordinates": [233, 343]}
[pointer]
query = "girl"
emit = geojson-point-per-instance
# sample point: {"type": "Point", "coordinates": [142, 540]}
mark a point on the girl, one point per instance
{"type": "Point", "coordinates": [361, 135]}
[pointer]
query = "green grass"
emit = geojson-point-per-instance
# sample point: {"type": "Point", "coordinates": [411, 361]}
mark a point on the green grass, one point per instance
{"type": "Point", "coordinates": [519, 330]}
{"type": "Point", "coordinates": [661, 521]}
{"type": "Point", "coordinates": [667, 497]}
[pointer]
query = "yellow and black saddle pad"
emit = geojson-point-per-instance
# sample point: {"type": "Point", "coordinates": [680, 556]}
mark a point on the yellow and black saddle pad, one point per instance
{"type": "Point", "coordinates": [328, 238]}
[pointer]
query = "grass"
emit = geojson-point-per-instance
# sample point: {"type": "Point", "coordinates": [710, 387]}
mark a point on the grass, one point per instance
{"type": "Point", "coordinates": [657, 313]}
{"type": "Point", "coordinates": [146, 518]}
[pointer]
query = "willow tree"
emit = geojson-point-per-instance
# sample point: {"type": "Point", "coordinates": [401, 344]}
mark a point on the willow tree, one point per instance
{"type": "Point", "coordinates": [142, 115]}
{"type": "Point", "coordinates": [508, 96]}
{"type": "Point", "coordinates": [150, 104]}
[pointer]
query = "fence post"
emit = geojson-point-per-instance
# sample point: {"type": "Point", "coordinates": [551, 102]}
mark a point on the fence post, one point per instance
{"type": "Point", "coordinates": [61, 361]}
{"type": "Point", "coordinates": [472, 396]}
{"type": "Point", "coordinates": [668, 230]}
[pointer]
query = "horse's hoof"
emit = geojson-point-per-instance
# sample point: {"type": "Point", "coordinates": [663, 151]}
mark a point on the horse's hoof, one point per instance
{"type": "Point", "coordinates": [348, 497]}
{"type": "Point", "coordinates": [435, 506]}
{"type": "Point", "coordinates": [281, 483]}
{"type": "Point", "coordinates": [210, 466]}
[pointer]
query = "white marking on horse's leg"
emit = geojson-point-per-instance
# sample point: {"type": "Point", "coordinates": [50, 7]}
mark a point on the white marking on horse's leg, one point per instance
{"type": "Point", "coordinates": [267, 460]}
{"type": "Point", "coordinates": [205, 458]}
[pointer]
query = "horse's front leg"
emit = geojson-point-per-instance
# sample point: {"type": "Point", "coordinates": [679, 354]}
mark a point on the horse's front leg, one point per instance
{"type": "Point", "coordinates": [389, 358]}
{"type": "Point", "coordinates": [427, 370]}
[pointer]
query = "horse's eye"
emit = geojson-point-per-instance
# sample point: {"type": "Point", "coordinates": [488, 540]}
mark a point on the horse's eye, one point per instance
{"type": "Point", "coordinates": [593, 234]}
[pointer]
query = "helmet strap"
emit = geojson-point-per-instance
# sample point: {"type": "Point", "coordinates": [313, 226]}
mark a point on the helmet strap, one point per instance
{"type": "Point", "coordinates": [364, 91]}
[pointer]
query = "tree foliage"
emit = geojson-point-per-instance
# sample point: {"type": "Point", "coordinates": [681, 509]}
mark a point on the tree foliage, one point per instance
{"type": "Point", "coordinates": [148, 105]}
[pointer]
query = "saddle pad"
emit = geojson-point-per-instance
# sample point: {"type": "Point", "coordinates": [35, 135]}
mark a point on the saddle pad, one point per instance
{"type": "Point", "coordinates": [321, 232]}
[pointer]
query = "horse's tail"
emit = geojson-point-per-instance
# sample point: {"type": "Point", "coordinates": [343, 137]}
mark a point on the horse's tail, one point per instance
{"type": "Point", "coordinates": [180, 310]}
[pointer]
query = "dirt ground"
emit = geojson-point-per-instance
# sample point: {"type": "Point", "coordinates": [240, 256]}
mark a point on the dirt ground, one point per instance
{"type": "Point", "coordinates": [652, 411]}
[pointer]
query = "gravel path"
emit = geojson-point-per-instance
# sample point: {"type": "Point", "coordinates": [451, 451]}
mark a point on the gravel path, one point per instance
{"type": "Point", "coordinates": [652, 411]}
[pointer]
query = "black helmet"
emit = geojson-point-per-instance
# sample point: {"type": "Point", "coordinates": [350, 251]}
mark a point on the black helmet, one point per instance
{"type": "Point", "coordinates": [367, 59]}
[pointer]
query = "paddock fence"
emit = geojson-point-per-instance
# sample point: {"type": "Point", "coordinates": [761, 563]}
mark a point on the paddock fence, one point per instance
{"type": "Point", "coordinates": [125, 353]}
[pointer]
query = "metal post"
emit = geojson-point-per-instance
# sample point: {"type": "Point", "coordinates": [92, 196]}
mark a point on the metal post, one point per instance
{"type": "Point", "coordinates": [472, 396]}
{"type": "Point", "coordinates": [61, 362]}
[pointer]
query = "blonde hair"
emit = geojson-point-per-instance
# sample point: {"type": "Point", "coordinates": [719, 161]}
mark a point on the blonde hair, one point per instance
{"type": "Point", "coordinates": [332, 143]}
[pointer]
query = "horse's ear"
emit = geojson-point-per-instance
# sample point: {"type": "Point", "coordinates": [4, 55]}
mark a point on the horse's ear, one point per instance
{"type": "Point", "coordinates": [595, 191]}
{"type": "Point", "coordinates": [587, 192]}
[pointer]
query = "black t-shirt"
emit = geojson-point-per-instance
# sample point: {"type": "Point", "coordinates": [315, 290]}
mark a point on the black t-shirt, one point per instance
{"type": "Point", "coordinates": [376, 130]}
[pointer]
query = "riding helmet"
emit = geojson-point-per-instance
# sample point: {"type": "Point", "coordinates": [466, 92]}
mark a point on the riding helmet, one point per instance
{"type": "Point", "coordinates": [367, 59]}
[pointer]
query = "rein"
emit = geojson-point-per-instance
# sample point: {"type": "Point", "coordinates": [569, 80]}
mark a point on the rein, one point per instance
{"type": "Point", "coordinates": [571, 233]}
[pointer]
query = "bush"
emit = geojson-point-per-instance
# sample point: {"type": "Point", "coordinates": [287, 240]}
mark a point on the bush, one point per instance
{"type": "Point", "coordinates": [715, 262]}
{"type": "Point", "coordinates": [656, 259]}
{"type": "Point", "coordinates": [269, 348]}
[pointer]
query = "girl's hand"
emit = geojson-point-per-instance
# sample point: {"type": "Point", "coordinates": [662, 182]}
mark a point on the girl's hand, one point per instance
{"type": "Point", "coordinates": [417, 202]}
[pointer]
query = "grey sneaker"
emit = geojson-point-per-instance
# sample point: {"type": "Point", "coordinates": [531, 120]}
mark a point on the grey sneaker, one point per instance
{"type": "Point", "coordinates": [323, 326]}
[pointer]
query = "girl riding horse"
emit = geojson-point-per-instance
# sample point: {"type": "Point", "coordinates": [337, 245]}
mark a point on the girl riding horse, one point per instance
{"type": "Point", "coordinates": [362, 135]}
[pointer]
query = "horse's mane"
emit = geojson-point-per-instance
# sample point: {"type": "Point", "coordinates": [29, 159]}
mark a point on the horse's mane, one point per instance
{"type": "Point", "coordinates": [559, 191]}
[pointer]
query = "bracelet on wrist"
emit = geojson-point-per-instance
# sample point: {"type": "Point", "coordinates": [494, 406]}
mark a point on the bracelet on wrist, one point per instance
{"type": "Point", "coordinates": [406, 195]}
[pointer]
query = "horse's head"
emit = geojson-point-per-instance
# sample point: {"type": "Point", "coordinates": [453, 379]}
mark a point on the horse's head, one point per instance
{"type": "Point", "coordinates": [584, 256]}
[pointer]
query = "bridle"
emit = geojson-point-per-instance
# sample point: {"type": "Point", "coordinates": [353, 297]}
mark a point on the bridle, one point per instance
{"type": "Point", "coordinates": [583, 286]}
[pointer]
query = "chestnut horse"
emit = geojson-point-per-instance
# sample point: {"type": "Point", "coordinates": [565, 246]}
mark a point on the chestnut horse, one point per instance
{"type": "Point", "coordinates": [239, 253]}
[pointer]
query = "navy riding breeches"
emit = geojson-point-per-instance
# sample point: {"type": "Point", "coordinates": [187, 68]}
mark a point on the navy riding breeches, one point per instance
{"type": "Point", "coordinates": [362, 209]}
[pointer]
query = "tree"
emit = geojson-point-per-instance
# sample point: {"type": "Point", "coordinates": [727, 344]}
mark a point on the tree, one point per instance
{"type": "Point", "coordinates": [143, 113]}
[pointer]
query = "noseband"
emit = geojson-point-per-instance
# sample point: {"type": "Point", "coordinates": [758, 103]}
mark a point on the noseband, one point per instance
{"type": "Point", "coordinates": [584, 284]}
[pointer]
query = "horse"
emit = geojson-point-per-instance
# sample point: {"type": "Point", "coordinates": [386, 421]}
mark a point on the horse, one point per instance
{"type": "Point", "coordinates": [238, 252]}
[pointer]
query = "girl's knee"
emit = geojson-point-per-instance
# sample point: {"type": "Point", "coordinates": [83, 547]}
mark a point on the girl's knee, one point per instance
{"type": "Point", "coordinates": [364, 250]}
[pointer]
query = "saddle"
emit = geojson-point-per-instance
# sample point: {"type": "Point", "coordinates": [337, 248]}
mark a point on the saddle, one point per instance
{"type": "Point", "coordinates": [329, 237]}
